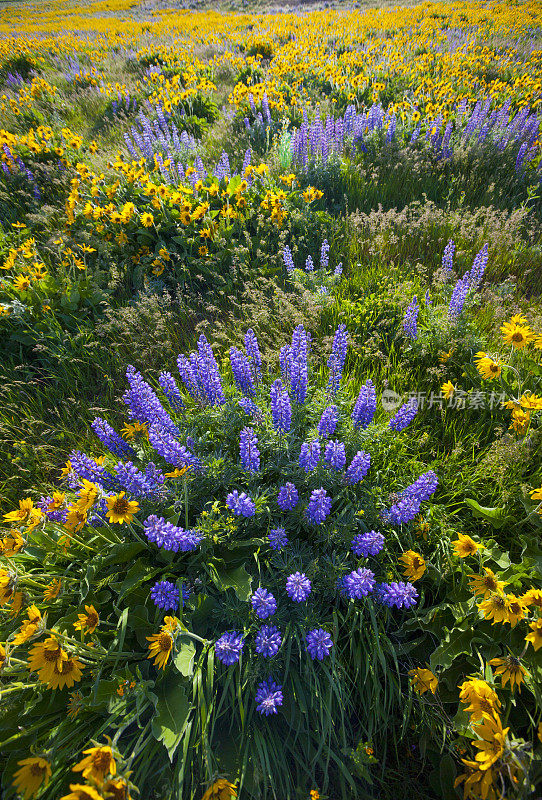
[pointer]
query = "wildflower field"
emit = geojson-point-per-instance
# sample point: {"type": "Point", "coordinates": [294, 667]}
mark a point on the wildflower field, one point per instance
{"type": "Point", "coordinates": [270, 401]}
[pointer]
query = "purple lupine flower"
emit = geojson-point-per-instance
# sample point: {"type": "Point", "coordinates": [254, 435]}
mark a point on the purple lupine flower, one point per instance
{"type": "Point", "coordinates": [324, 255]}
{"type": "Point", "coordinates": [268, 697]}
{"type": "Point", "coordinates": [335, 455]}
{"type": "Point", "coordinates": [208, 373]}
{"type": "Point", "coordinates": [297, 366]}
{"type": "Point", "coordinates": [427, 298]}
{"type": "Point", "coordinates": [147, 484]}
{"type": "Point", "coordinates": [253, 352]}
{"type": "Point", "coordinates": [57, 515]}
{"type": "Point", "coordinates": [337, 358]}
{"type": "Point", "coordinates": [166, 595]}
{"type": "Point", "coordinates": [240, 504]}
{"type": "Point", "coordinates": [171, 390]}
{"type": "Point", "coordinates": [263, 603]}
{"type": "Point", "coordinates": [268, 641]}
{"type": "Point", "coordinates": [448, 257]}
{"type": "Point", "coordinates": [240, 366]}
{"type": "Point", "coordinates": [338, 271]}
{"type": "Point", "coordinates": [358, 468]}
{"type": "Point", "coordinates": [423, 487]}
{"type": "Point", "coordinates": [367, 544]}
{"type": "Point", "coordinates": [365, 407]}
{"type": "Point", "coordinates": [298, 587]}
{"type": "Point", "coordinates": [478, 267]}
{"type": "Point", "coordinates": [111, 439]}
{"type": "Point", "coordinates": [248, 446]}
{"type": "Point", "coordinates": [319, 644]}
{"type": "Point", "coordinates": [281, 408]}
{"type": "Point", "coordinates": [319, 506]}
{"type": "Point", "coordinates": [287, 497]}
{"type": "Point", "coordinates": [459, 295]}
{"type": "Point", "coordinates": [309, 264]}
{"type": "Point", "coordinates": [85, 467]}
{"type": "Point", "coordinates": [171, 450]}
{"type": "Point", "coordinates": [359, 583]}
{"type": "Point", "coordinates": [328, 422]}
{"type": "Point", "coordinates": [410, 321]}
{"type": "Point", "coordinates": [169, 536]}
{"type": "Point", "coordinates": [400, 594]}
{"type": "Point", "coordinates": [309, 455]}
{"type": "Point", "coordinates": [404, 415]}
{"type": "Point", "coordinates": [228, 648]}
{"type": "Point", "coordinates": [288, 260]}
{"type": "Point", "coordinates": [250, 408]}
{"type": "Point", "coordinates": [404, 510]}
{"type": "Point", "coordinates": [277, 539]}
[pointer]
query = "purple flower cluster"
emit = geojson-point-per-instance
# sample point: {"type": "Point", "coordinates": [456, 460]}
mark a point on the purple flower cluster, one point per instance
{"type": "Point", "coordinates": [57, 515]}
{"type": "Point", "coordinates": [250, 455]}
{"type": "Point", "coordinates": [250, 408]}
{"type": "Point", "coordinates": [200, 374]}
{"type": "Point", "coordinates": [365, 407]}
{"type": "Point", "coordinates": [281, 408]}
{"type": "Point", "coordinates": [448, 256]}
{"type": "Point", "coordinates": [324, 254]}
{"type": "Point", "coordinates": [411, 498]}
{"type": "Point", "coordinates": [166, 595]}
{"type": "Point", "coordinates": [294, 365]}
{"type": "Point", "coordinates": [242, 374]}
{"type": "Point", "coordinates": [459, 295]}
{"type": "Point", "coordinates": [328, 422]}
{"type": "Point", "coordinates": [410, 322]}
{"type": "Point", "coordinates": [319, 506]}
{"type": "Point", "coordinates": [228, 648]}
{"type": "Point", "coordinates": [404, 415]}
{"type": "Point", "coordinates": [298, 587]}
{"type": "Point", "coordinates": [309, 264]}
{"type": "Point", "coordinates": [319, 644]}
{"type": "Point", "coordinates": [172, 450]}
{"type": "Point", "coordinates": [240, 504]}
{"type": "Point", "coordinates": [367, 544]}
{"type": "Point", "coordinates": [309, 455]}
{"type": "Point", "coordinates": [277, 539]}
{"type": "Point", "coordinates": [111, 439]}
{"type": "Point", "coordinates": [149, 484]}
{"type": "Point", "coordinates": [171, 390]}
{"type": "Point", "coordinates": [359, 583]}
{"type": "Point", "coordinates": [287, 497]}
{"type": "Point", "coordinates": [337, 358]}
{"type": "Point", "coordinates": [268, 641]}
{"type": "Point", "coordinates": [478, 268]}
{"type": "Point", "coordinates": [144, 404]}
{"type": "Point", "coordinates": [400, 594]}
{"type": "Point", "coordinates": [166, 535]}
{"type": "Point", "coordinates": [335, 455]}
{"type": "Point", "coordinates": [268, 697]}
{"type": "Point", "coordinates": [358, 468]}
{"type": "Point", "coordinates": [254, 356]}
{"type": "Point", "coordinates": [263, 603]}
{"type": "Point", "coordinates": [288, 260]}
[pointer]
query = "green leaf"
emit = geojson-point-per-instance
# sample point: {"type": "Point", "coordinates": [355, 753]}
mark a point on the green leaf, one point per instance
{"type": "Point", "coordinates": [184, 660]}
{"type": "Point", "coordinates": [237, 579]}
{"type": "Point", "coordinates": [495, 516]}
{"type": "Point", "coordinates": [171, 715]}
{"type": "Point", "coordinates": [447, 775]}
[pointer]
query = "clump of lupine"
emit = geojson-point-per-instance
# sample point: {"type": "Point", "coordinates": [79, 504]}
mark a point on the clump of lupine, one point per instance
{"type": "Point", "coordinates": [318, 278]}
{"type": "Point", "coordinates": [288, 489]}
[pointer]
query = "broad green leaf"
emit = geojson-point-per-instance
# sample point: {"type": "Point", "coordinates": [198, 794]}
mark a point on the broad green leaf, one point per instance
{"type": "Point", "coordinates": [495, 516]}
{"type": "Point", "coordinates": [171, 715]}
{"type": "Point", "coordinates": [237, 579]}
{"type": "Point", "coordinates": [184, 659]}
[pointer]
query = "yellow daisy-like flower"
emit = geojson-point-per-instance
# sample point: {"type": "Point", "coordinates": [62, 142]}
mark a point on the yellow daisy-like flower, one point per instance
{"type": "Point", "coordinates": [11, 544]}
{"type": "Point", "coordinates": [477, 783]}
{"type": "Point", "coordinates": [7, 586]}
{"type": "Point", "coordinates": [423, 680]}
{"type": "Point", "coordinates": [120, 509]}
{"type": "Point", "coordinates": [493, 739]}
{"type": "Point", "coordinates": [3, 656]}
{"type": "Point", "coordinates": [485, 585]}
{"type": "Point", "coordinates": [58, 501]}
{"type": "Point", "coordinates": [89, 621]}
{"type": "Point", "coordinates": [117, 789]}
{"type": "Point", "coordinates": [516, 609]}
{"type": "Point", "coordinates": [220, 790]}
{"type": "Point", "coordinates": [80, 791]}
{"type": "Point", "coordinates": [443, 357]}
{"type": "Point", "coordinates": [98, 763]}
{"type": "Point", "coordinates": [45, 656]}
{"type": "Point", "coordinates": [53, 590]}
{"type": "Point", "coordinates": [21, 514]}
{"type": "Point", "coordinates": [533, 597]}
{"type": "Point", "coordinates": [447, 390]}
{"type": "Point", "coordinates": [29, 626]}
{"type": "Point", "coordinates": [520, 420]}
{"type": "Point", "coordinates": [88, 494]}
{"type": "Point", "coordinates": [75, 519]}
{"type": "Point", "coordinates": [535, 637]}
{"type": "Point", "coordinates": [510, 669]}
{"type": "Point", "coordinates": [488, 367]}
{"type": "Point", "coordinates": [160, 647]}
{"type": "Point", "coordinates": [495, 607]}
{"type": "Point", "coordinates": [464, 546]}
{"type": "Point", "coordinates": [146, 219]}
{"type": "Point", "coordinates": [482, 699]}
{"type": "Point", "coordinates": [517, 335]}
{"type": "Point", "coordinates": [536, 494]}
{"type": "Point", "coordinates": [33, 773]}
{"type": "Point", "coordinates": [65, 673]}
{"type": "Point", "coordinates": [414, 564]}
{"type": "Point", "coordinates": [75, 704]}
{"type": "Point", "coordinates": [21, 282]}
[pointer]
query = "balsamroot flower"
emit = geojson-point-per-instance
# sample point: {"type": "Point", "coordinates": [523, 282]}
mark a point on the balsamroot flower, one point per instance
{"type": "Point", "coordinates": [33, 773]}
